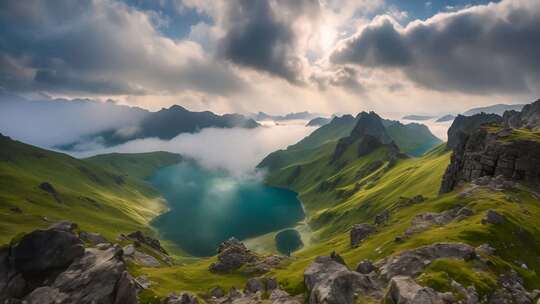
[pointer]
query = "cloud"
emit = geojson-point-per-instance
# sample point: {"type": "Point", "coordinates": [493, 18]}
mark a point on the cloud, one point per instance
{"type": "Point", "coordinates": [101, 47]}
{"type": "Point", "coordinates": [483, 49]}
{"type": "Point", "coordinates": [261, 34]}
{"type": "Point", "coordinates": [47, 123]}
{"type": "Point", "coordinates": [235, 150]}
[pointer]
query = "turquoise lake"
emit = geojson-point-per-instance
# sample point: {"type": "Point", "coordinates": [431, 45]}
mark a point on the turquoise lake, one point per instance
{"type": "Point", "coordinates": [208, 207]}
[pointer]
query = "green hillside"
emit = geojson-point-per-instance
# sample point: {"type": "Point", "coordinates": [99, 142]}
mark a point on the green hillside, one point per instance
{"type": "Point", "coordinates": [98, 199]}
{"type": "Point", "coordinates": [413, 139]}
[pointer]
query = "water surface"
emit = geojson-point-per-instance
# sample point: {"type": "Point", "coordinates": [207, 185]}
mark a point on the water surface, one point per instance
{"type": "Point", "coordinates": [208, 207]}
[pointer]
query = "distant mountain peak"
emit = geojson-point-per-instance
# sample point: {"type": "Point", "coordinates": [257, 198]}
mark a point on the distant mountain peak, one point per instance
{"type": "Point", "coordinates": [370, 124]}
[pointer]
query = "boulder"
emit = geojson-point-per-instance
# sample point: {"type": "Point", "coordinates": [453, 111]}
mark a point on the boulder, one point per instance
{"type": "Point", "coordinates": [43, 251]}
{"type": "Point", "coordinates": [359, 232]}
{"type": "Point", "coordinates": [365, 267]}
{"type": "Point", "coordinates": [412, 262]}
{"type": "Point", "coordinates": [129, 250]}
{"type": "Point", "coordinates": [494, 218]}
{"type": "Point", "coordinates": [382, 217]}
{"type": "Point", "coordinates": [217, 292]}
{"type": "Point", "coordinates": [64, 226]}
{"type": "Point", "coordinates": [184, 298]}
{"type": "Point", "coordinates": [330, 282]}
{"type": "Point", "coordinates": [253, 285]}
{"type": "Point", "coordinates": [404, 290]}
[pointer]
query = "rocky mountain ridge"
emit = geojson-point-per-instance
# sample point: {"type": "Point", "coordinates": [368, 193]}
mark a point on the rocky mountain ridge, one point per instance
{"type": "Point", "coordinates": [490, 145]}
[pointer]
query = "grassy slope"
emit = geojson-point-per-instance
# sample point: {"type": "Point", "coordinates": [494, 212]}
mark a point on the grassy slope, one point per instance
{"type": "Point", "coordinates": [519, 239]}
{"type": "Point", "coordinates": [96, 198]}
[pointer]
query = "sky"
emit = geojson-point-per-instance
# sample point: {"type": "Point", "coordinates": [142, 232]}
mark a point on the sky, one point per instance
{"type": "Point", "coordinates": [277, 56]}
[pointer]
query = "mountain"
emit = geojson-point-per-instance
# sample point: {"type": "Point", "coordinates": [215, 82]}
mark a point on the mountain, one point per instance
{"type": "Point", "coordinates": [498, 109]}
{"type": "Point", "coordinates": [418, 117]}
{"type": "Point", "coordinates": [318, 121]}
{"type": "Point", "coordinates": [448, 117]}
{"type": "Point", "coordinates": [290, 116]}
{"type": "Point", "coordinates": [166, 124]}
{"type": "Point", "coordinates": [414, 139]}
{"type": "Point", "coordinates": [38, 187]}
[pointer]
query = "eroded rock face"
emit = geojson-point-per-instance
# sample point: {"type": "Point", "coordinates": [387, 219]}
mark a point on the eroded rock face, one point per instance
{"type": "Point", "coordinates": [412, 262]}
{"type": "Point", "coordinates": [151, 242]}
{"type": "Point", "coordinates": [359, 232]}
{"type": "Point", "coordinates": [478, 153]}
{"type": "Point", "coordinates": [330, 282]}
{"type": "Point", "coordinates": [529, 117]}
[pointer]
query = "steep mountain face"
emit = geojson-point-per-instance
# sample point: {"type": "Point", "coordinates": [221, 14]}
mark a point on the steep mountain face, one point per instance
{"type": "Point", "coordinates": [414, 139]}
{"type": "Point", "coordinates": [488, 145]}
{"type": "Point", "coordinates": [464, 125]}
{"type": "Point", "coordinates": [368, 134]}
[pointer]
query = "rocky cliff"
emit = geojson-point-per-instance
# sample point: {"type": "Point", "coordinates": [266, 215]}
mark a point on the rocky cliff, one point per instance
{"type": "Point", "coordinates": [488, 145]}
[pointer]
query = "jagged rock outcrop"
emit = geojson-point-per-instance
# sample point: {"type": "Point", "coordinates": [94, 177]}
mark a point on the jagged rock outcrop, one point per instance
{"type": "Point", "coordinates": [369, 134]}
{"type": "Point", "coordinates": [528, 118]}
{"type": "Point", "coordinates": [52, 266]}
{"type": "Point", "coordinates": [330, 282]}
{"type": "Point", "coordinates": [480, 152]}
{"type": "Point", "coordinates": [232, 254]}
{"type": "Point", "coordinates": [149, 241]}
{"type": "Point", "coordinates": [463, 126]}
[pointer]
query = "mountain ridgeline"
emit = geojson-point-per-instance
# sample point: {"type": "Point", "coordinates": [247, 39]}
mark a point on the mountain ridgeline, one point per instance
{"type": "Point", "coordinates": [414, 139]}
{"type": "Point", "coordinates": [167, 124]}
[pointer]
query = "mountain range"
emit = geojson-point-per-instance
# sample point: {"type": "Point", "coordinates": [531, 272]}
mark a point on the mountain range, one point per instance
{"type": "Point", "coordinates": [392, 216]}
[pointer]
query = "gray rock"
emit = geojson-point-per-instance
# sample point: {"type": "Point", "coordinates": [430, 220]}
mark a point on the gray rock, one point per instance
{"type": "Point", "coordinates": [147, 240]}
{"type": "Point", "coordinates": [425, 221]}
{"type": "Point", "coordinates": [232, 254]}
{"type": "Point", "coordinates": [46, 250]}
{"type": "Point", "coordinates": [359, 232]}
{"type": "Point", "coordinates": [328, 281]}
{"type": "Point", "coordinates": [365, 267]}
{"type": "Point", "coordinates": [64, 226]}
{"type": "Point", "coordinates": [254, 285]}
{"type": "Point", "coordinates": [404, 290]}
{"type": "Point", "coordinates": [92, 238]}
{"type": "Point", "coordinates": [493, 217]}
{"type": "Point", "coordinates": [412, 262]}
{"type": "Point", "coordinates": [129, 250]}
{"type": "Point", "coordinates": [145, 260]}
{"type": "Point", "coordinates": [278, 296]}
{"type": "Point", "coordinates": [45, 295]}
{"type": "Point", "coordinates": [337, 258]}
{"type": "Point", "coordinates": [382, 217]}
{"type": "Point", "coordinates": [234, 293]}
{"type": "Point", "coordinates": [184, 298]}
{"type": "Point", "coordinates": [97, 277]}
{"type": "Point", "coordinates": [217, 292]}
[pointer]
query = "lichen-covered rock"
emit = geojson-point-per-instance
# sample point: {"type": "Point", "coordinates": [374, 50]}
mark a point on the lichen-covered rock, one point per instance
{"type": "Point", "coordinates": [412, 262]}
{"type": "Point", "coordinates": [359, 232]}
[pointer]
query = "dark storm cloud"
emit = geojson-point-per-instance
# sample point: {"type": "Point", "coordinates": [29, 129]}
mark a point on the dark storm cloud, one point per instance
{"type": "Point", "coordinates": [99, 47]}
{"type": "Point", "coordinates": [485, 49]}
{"type": "Point", "coordinates": [261, 36]}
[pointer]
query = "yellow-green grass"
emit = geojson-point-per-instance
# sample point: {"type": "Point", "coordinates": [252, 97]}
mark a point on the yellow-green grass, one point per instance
{"type": "Point", "coordinates": [97, 199]}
